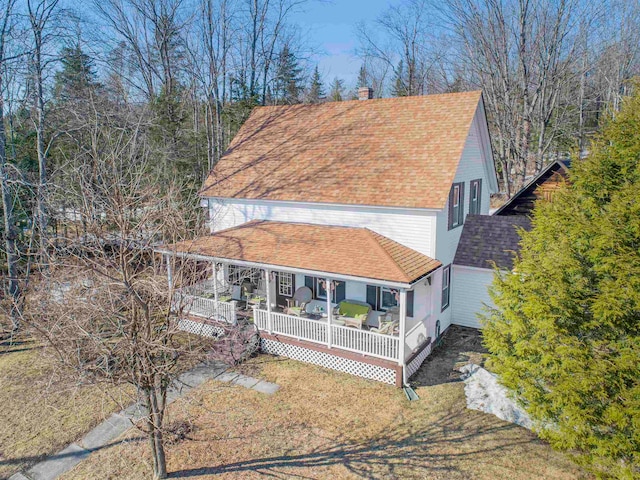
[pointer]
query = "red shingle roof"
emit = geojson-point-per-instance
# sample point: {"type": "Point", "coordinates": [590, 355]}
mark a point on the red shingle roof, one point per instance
{"type": "Point", "coordinates": [339, 250]}
{"type": "Point", "coordinates": [390, 152]}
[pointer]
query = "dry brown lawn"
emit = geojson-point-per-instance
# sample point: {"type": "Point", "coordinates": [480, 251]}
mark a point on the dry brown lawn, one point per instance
{"type": "Point", "coordinates": [323, 424]}
{"type": "Point", "coordinates": [42, 411]}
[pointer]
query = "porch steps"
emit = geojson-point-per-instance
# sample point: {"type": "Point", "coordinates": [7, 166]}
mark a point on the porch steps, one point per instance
{"type": "Point", "coordinates": [411, 394]}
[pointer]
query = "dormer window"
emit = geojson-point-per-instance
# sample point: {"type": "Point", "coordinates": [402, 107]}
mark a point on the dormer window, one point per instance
{"type": "Point", "coordinates": [456, 205]}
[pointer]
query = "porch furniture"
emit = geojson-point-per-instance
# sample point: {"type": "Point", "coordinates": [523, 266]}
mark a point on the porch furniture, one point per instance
{"type": "Point", "coordinates": [297, 305]}
{"type": "Point", "coordinates": [386, 327]}
{"type": "Point", "coordinates": [352, 312]}
{"type": "Point", "coordinates": [257, 299]}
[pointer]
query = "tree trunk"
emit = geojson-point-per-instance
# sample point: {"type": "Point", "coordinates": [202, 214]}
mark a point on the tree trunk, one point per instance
{"type": "Point", "coordinates": [154, 425]}
{"type": "Point", "coordinates": [9, 223]}
{"type": "Point", "coordinates": [7, 200]}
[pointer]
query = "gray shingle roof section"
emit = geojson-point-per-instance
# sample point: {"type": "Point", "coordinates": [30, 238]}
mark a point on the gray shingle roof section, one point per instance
{"type": "Point", "coordinates": [487, 239]}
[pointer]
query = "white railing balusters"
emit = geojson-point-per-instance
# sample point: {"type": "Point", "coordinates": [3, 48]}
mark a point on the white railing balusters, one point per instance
{"type": "Point", "coordinates": [205, 307]}
{"type": "Point", "coordinates": [351, 339]}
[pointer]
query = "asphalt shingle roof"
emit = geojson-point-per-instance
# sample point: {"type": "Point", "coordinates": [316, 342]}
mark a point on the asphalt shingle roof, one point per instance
{"type": "Point", "coordinates": [488, 239]}
{"type": "Point", "coordinates": [400, 152]}
{"type": "Point", "coordinates": [351, 251]}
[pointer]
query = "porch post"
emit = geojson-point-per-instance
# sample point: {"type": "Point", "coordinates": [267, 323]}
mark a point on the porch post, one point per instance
{"type": "Point", "coordinates": [215, 282]}
{"type": "Point", "coordinates": [329, 310]}
{"type": "Point", "coordinates": [267, 286]}
{"type": "Point", "coordinates": [169, 271]}
{"type": "Point", "coordinates": [402, 332]}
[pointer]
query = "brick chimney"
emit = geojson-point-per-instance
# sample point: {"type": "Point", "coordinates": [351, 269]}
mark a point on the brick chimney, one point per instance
{"type": "Point", "coordinates": [365, 93]}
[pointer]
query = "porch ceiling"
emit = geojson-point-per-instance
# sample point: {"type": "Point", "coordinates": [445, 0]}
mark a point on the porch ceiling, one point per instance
{"type": "Point", "coordinates": [347, 251]}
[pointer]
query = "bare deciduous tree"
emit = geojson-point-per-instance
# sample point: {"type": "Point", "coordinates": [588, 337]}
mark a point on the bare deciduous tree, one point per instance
{"type": "Point", "coordinates": [107, 308]}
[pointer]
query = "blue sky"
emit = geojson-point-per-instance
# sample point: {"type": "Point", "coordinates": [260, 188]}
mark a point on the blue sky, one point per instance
{"type": "Point", "coordinates": [331, 27]}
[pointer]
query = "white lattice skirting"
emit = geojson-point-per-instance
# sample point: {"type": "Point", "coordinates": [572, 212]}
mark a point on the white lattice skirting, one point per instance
{"type": "Point", "coordinates": [416, 362]}
{"type": "Point", "coordinates": [199, 328]}
{"type": "Point", "coordinates": [334, 362]}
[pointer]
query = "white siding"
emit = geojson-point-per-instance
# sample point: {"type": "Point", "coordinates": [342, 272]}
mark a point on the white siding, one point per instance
{"type": "Point", "coordinates": [470, 293]}
{"type": "Point", "coordinates": [411, 227]}
{"type": "Point", "coordinates": [471, 167]}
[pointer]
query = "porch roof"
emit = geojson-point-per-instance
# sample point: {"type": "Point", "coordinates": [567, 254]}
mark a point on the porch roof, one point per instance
{"type": "Point", "coordinates": [345, 251]}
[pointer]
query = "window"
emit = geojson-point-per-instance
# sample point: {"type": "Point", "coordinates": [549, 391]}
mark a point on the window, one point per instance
{"type": "Point", "coordinates": [475, 192]}
{"type": "Point", "coordinates": [388, 298]}
{"type": "Point", "coordinates": [317, 286]}
{"type": "Point", "coordinates": [285, 284]}
{"type": "Point", "coordinates": [321, 292]}
{"type": "Point", "coordinates": [446, 286]}
{"type": "Point", "coordinates": [456, 205]}
{"type": "Point", "coordinates": [238, 275]}
{"type": "Point", "coordinates": [383, 298]}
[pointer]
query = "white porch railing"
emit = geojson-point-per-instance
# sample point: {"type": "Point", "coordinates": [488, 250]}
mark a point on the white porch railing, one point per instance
{"type": "Point", "coordinates": [205, 307]}
{"type": "Point", "coordinates": [345, 338]}
{"type": "Point", "coordinates": [363, 341]}
{"type": "Point", "coordinates": [303, 328]}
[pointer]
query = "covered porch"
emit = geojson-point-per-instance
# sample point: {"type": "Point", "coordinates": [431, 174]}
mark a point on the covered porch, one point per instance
{"type": "Point", "coordinates": [341, 308]}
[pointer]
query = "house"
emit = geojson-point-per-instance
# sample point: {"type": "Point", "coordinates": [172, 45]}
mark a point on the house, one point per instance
{"type": "Point", "coordinates": [541, 186]}
{"type": "Point", "coordinates": [487, 242]}
{"type": "Point", "coordinates": [334, 227]}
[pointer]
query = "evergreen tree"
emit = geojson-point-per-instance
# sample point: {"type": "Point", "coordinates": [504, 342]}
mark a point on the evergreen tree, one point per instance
{"type": "Point", "coordinates": [565, 333]}
{"type": "Point", "coordinates": [288, 81]}
{"type": "Point", "coordinates": [77, 76]}
{"type": "Point", "coordinates": [316, 89]}
{"type": "Point", "coordinates": [363, 77]}
{"type": "Point", "coordinates": [400, 87]}
{"type": "Point", "coordinates": [337, 90]}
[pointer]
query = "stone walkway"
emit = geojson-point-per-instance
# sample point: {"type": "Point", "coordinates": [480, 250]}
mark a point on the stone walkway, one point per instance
{"type": "Point", "coordinates": [108, 431]}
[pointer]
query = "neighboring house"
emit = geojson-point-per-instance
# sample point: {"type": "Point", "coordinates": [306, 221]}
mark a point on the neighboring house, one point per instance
{"type": "Point", "coordinates": [352, 211]}
{"type": "Point", "coordinates": [542, 186]}
{"type": "Point", "coordinates": [487, 242]}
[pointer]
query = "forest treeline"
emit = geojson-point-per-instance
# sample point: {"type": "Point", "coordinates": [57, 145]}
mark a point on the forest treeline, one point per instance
{"type": "Point", "coordinates": [182, 76]}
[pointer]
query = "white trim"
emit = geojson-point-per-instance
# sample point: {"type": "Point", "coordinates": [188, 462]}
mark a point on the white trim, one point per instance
{"type": "Point", "coordinates": [285, 279]}
{"type": "Point", "coordinates": [280, 268]}
{"type": "Point", "coordinates": [479, 269]}
{"type": "Point", "coordinates": [327, 289]}
{"type": "Point", "coordinates": [402, 334]}
{"type": "Point", "coordinates": [485, 143]}
{"type": "Point", "coordinates": [398, 209]}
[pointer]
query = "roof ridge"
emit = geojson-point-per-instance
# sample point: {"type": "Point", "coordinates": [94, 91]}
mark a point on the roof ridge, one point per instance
{"type": "Point", "coordinates": [374, 236]}
{"type": "Point", "coordinates": [368, 101]}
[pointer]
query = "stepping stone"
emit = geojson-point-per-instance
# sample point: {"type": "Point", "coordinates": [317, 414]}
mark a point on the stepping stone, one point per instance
{"type": "Point", "coordinates": [266, 387]}
{"type": "Point", "coordinates": [135, 412]}
{"type": "Point", "coordinates": [18, 476]}
{"type": "Point", "coordinates": [106, 432]}
{"type": "Point", "coordinates": [244, 381]}
{"type": "Point", "coordinates": [60, 463]}
{"type": "Point", "coordinates": [227, 377]}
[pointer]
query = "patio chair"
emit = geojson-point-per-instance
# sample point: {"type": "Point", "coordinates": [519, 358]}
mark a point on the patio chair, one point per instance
{"type": "Point", "coordinates": [298, 304]}
{"type": "Point", "coordinates": [387, 328]}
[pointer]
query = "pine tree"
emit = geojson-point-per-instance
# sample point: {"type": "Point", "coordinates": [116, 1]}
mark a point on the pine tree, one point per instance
{"type": "Point", "coordinates": [337, 90]}
{"type": "Point", "coordinates": [565, 333]}
{"type": "Point", "coordinates": [400, 87]}
{"type": "Point", "coordinates": [316, 89]}
{"type": "Point", "coordinates": [77, 76]}
{"type": "Point", "coordinates": [363, 77]}
{"type": "Point", "coordinates": [288, 81]}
